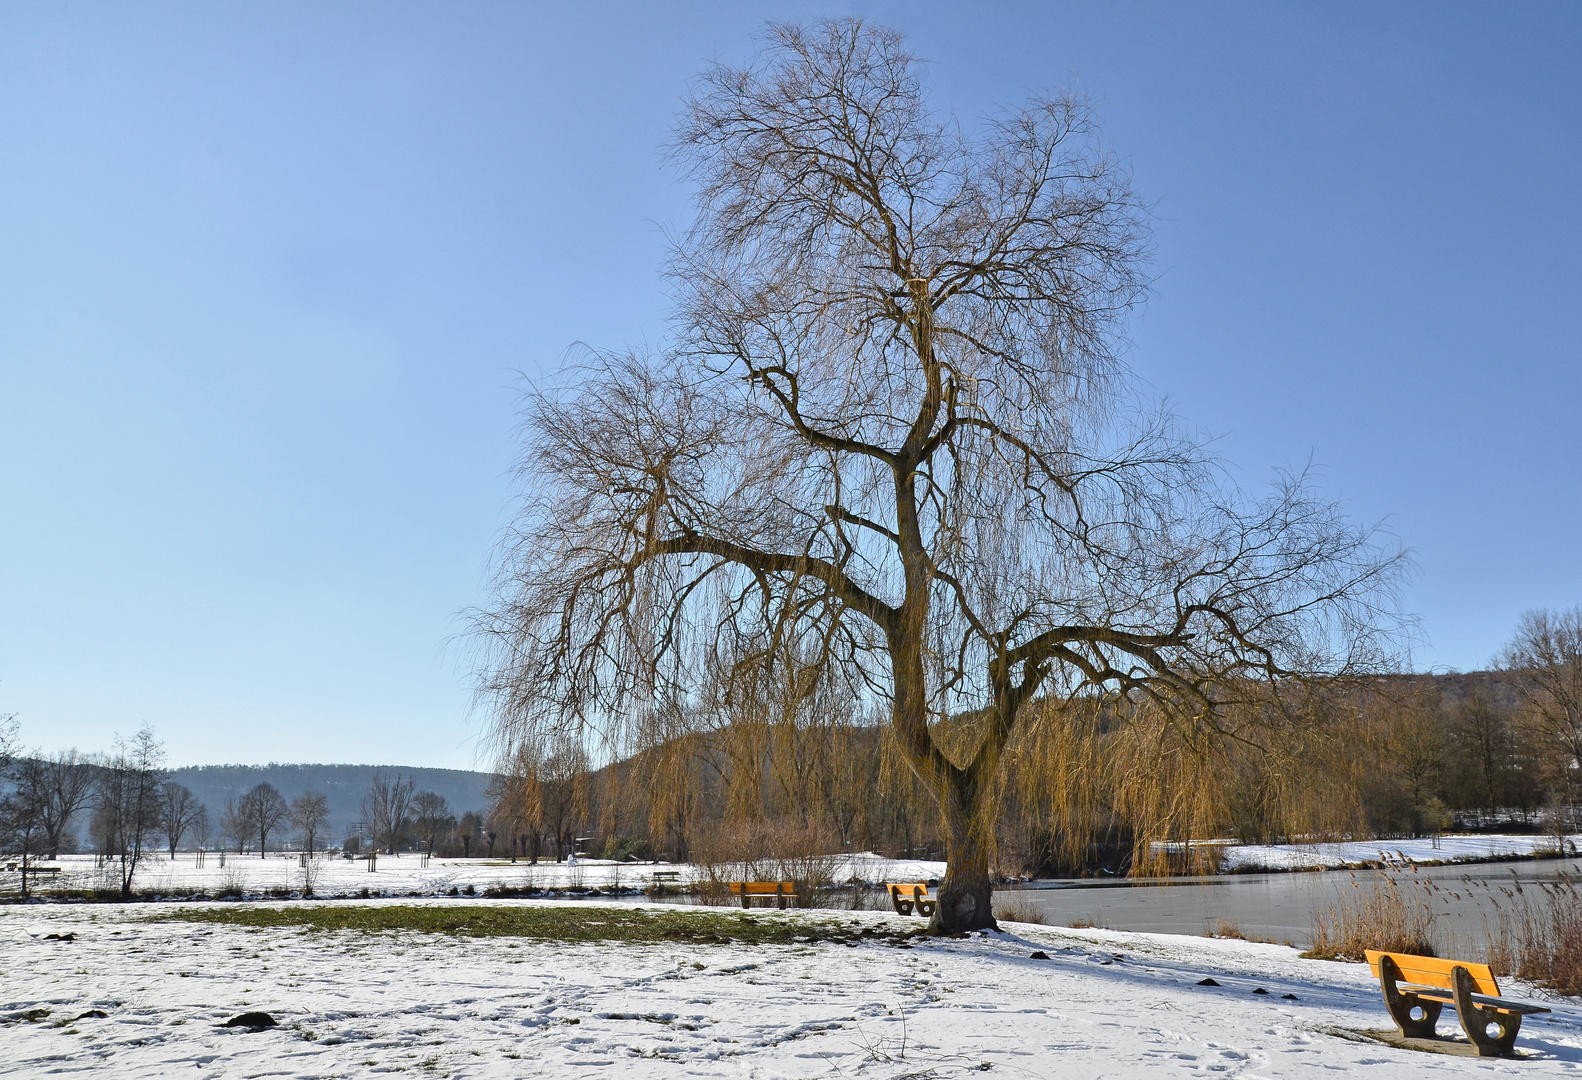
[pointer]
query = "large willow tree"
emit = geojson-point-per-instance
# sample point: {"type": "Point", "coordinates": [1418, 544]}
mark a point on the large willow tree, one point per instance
{"type": "Point", "coordinates": [891, 440]}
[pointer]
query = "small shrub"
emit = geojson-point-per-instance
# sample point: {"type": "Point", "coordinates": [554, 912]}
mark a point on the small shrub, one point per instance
{"type": "Point", "coordinates": [1227, 928]}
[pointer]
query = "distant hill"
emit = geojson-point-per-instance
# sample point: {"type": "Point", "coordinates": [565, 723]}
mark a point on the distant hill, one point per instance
{"type": "Point", "coordinates": [344, 785]}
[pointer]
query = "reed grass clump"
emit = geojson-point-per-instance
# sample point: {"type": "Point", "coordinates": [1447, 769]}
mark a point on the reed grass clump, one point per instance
{"type": "Point", "coordinates": [1394, 914]}
{"type": "Point", "coordinates": [1536, 933]}
{"type": "Point", "coordinates": [1014, 908]}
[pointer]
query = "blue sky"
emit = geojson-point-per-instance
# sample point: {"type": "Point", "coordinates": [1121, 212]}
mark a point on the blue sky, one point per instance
{"type": "Point", "coordinates": [268, 274]}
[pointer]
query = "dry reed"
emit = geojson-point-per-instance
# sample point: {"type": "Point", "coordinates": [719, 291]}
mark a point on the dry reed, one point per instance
{"type": "Point", "coordinates": [1536, 932]}
{"type": "Point", "coordinates": [1014, 908]}
{"type": "Point", "coordinates": [1395, 914]}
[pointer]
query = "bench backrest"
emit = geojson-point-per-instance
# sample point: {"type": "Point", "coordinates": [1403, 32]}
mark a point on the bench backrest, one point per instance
{"type": "Point", "coordinates": [909, 889]}
{"type": "Point", "coordinates": [762, 888]}
{"type": "Point", "coordinates": [1432, 971]}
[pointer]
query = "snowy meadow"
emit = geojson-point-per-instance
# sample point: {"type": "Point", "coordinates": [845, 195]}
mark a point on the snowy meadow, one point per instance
{"type": "Point", "coordinates": [144, 990]}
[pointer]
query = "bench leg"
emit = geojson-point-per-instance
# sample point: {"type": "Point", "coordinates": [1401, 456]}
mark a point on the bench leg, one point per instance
{"type": "Point", "coordinates": [902, 907]}
{"type": "Point", "coordinates": [744, 899]}
{"type": "Point", "coordinates": [1475, 1021]}
{"type": "Point", "coordinates": [1402, 1005]}
{"type": "Point", "coordinates": [780, 898]}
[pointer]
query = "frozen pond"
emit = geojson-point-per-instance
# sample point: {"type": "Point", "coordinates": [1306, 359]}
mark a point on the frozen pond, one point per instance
{"type": "Point", "coordinates": [1279, 907]}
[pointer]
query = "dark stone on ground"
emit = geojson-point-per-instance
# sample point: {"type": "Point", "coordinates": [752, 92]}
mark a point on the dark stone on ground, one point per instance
{"type": "Point", "coordinates": [1260, 990]}
{"type": "Point", "coordinates": [1289, 997]}
{"type": "Point", "coordinates": [1207, 982]}
{"type": "Point", "coordinates": [92, 1014]}
{"type": "Point", "coordinates": [61, 937]}
{"type": "Point", "coordinates": [255, 1021]}
{"type": "Point", "coordinates": [1039, 955]}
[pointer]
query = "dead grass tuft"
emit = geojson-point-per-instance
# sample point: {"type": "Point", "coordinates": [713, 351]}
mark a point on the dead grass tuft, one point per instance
{"type": "Point", "coordinates": [1014, 908]}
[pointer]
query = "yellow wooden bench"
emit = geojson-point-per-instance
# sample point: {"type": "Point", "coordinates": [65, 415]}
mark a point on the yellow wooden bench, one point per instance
{"type": "Point", "coordinates": [1425, 984]}
{"type": "Point", "coordinates": [911, 896]}
{"type": "Point", "coordinates": [779, 890]}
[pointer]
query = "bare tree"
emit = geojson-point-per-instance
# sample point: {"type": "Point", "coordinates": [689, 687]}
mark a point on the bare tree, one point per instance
{"type": "Point", "coordinates": [385, 809]}
{"type": "Point", "coordinates": [309, 812]}
{"type": "Point", "coordinates": [263, 809]}
{"type": "Point", "coordinates": [178, 810]}
{"type": "Point", "coordinates": [9, 743]}
{"type": "Point", "coordinates": [234, 825]}
{"type": "Point", "coordinates": [127, 802]}
{"type": "Point", "coordinates": [1545, 657]}
{"type": "Point", "coordinates": [22, 812]}
{"type": "Point", "coordinates": [69, 781]}
{"type": "Point", "coordinates": [468, 830]}
{"type": "Point", "coordinates": [202, 827]}
{"type": "Point", "coordinates": [894, 438]}
{"type": "Point", "coordinates": [431, 814]}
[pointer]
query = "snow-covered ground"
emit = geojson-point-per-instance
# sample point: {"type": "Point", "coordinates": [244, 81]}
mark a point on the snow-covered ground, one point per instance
{"type": "Point", "coordinates": [129, 998]}
{"type": "Point", "coordinates": [335, 877]}
{"type": "Point", "coordinates": [1445, 849]}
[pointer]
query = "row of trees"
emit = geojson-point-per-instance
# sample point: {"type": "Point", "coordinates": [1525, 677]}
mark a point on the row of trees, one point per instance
{"type": "Point", "coordinates": [131, 802]}
{"type": "Point", "coordinates": [1085, 784]}
{"type": "Point", "coordinates": [263, 810]}
{"type": "Point", "coordinates": [130, 805]}
{"type": "Point", "coordinates": [397, 817]}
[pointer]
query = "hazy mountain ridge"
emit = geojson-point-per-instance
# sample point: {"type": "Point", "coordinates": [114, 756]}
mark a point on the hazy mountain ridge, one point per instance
{"type": "Point", "coordinates": [343, 785]}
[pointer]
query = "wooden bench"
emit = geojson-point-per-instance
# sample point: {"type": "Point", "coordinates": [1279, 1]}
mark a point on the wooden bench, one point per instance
{"type": "Point", "coordinates": [1425, 985]}
{"type": "Point", "coordinates": [666, 875]}
{"type": "Point", "coordinates": [747, 890]}
{"type": "Point", "coordinates": [35, 871]}
{"type": "Point", "coordinates": [911, 896]}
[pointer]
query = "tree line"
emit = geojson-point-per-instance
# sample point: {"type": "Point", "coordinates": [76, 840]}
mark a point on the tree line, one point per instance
{"type": "Point", "coordinates": [1089, 785]}
{"type": "Point", "coordinates": [130, 808]}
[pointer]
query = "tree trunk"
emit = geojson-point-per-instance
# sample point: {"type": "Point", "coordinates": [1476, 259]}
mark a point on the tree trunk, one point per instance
{"type": "Point", "coordinates": [964, 898]}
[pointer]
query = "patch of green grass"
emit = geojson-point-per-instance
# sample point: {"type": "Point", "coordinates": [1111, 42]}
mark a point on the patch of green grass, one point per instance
{"type": "Point", "coordinates": [551, 923]}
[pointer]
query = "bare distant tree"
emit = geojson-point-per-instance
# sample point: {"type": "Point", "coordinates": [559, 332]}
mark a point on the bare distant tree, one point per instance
{"type": "Point", "coordinates": [263, 809]}
{"type": "Point", "coordinates": [234, 825]}
{"type": "Point", "coordinates": [431, 814]}
{"type": "Point", "coordinates": [22, 811]}
{"type": "Point", "coordinates": [178, 809]}
{"type": "Point", "coordinates": [1545, 657]}
{"type": "Point", "coordinates": [468, 830]}
{"type": "Point", "coordinates": [202, 827]}
{"type": "Point", "coordinates": [893, 441]}
{"type": "Point", "coordinates": [309, 812]}
{"type": "Point", "coordinates": [385, 809]}
{"type": "Point", "coordinates": [9, 743]}
{"type": "Point", "coordinates": [127, 802]}
{"type": "Point", "coordinates": [69, 781]}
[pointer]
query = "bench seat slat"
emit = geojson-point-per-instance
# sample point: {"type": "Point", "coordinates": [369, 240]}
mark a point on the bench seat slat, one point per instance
{"type": "Point", "coordinates": [1434, 993]}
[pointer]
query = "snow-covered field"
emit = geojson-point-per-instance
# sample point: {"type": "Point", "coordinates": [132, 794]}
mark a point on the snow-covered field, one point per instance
{"type": "Point", "coordinates": [334, 877]}
{"type": "Point", "coordinates": [124, 997]}
{"type": "Point", "coordinates": [1445, 849]}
